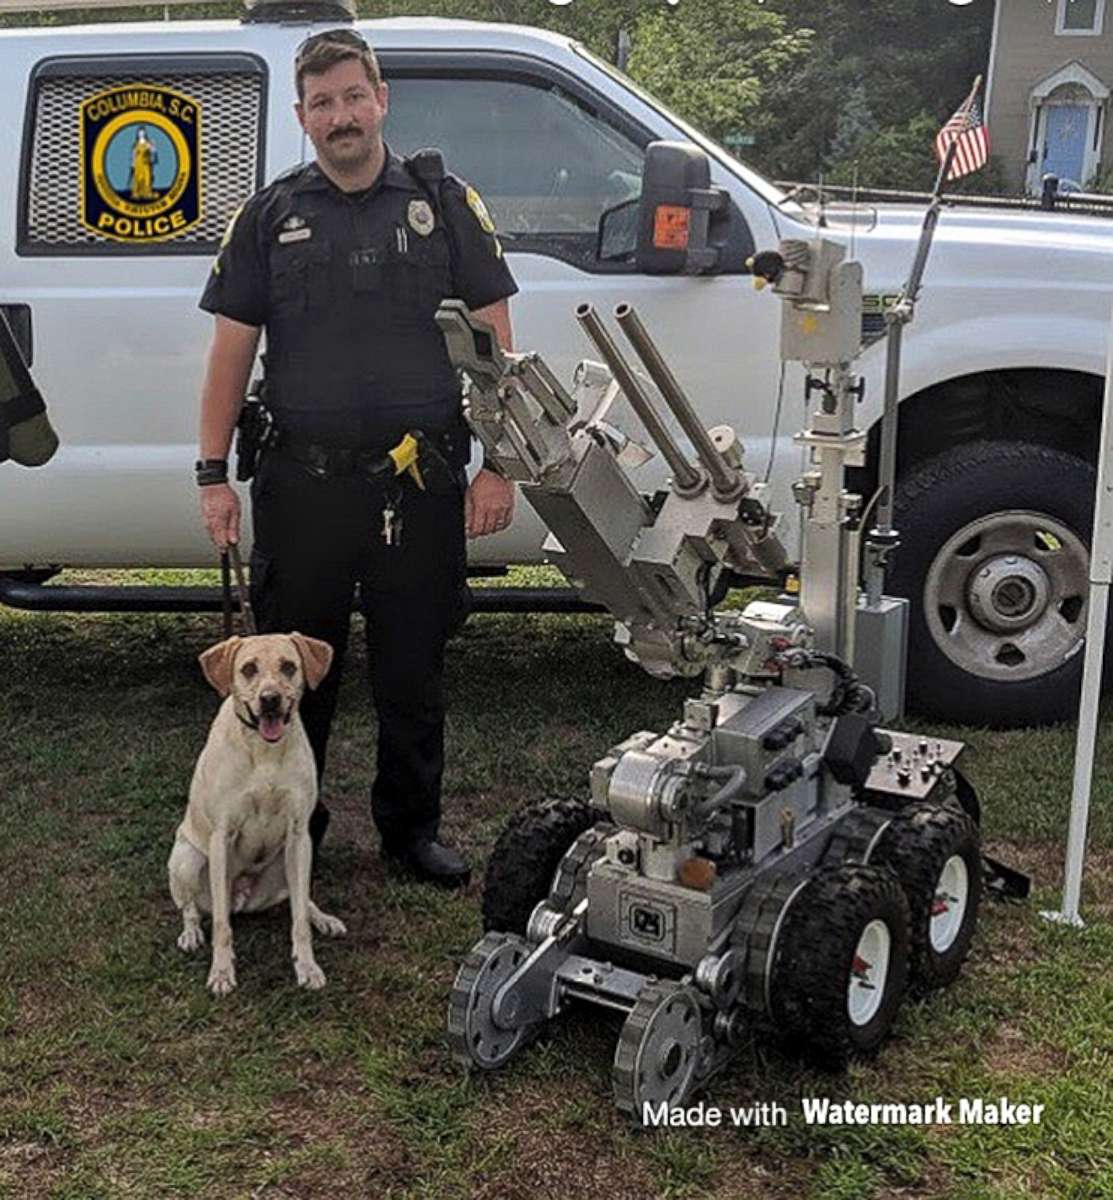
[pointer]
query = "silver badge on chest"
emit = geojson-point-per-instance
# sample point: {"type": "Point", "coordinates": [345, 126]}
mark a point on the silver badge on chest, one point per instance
{"type": "Point", "coordinates": [420, 217]}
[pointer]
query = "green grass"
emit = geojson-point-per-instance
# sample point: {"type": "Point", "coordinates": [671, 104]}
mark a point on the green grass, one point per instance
{"type": "Point", "coordinates": [120, 1077]}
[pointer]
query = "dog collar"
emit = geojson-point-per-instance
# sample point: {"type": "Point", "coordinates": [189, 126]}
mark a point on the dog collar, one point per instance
{"type": "Point", "coordinates": [254, 722]}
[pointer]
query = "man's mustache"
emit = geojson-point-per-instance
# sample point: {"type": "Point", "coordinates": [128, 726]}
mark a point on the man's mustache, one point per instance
{"type": "Point", "coordinates": [339, 133]}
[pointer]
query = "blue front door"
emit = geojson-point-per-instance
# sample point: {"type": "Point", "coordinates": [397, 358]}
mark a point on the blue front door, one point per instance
{"type": "Point", "coordinates": [1065, 141]}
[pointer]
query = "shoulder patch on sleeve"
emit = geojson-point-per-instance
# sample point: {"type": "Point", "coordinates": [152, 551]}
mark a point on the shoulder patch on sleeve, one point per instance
{"type": "Point", "coordinates": [228, 230]}
{"type": "Point", "coordinates": [479, 209]}
{"type": "Point", "coordinates": [230, 227]}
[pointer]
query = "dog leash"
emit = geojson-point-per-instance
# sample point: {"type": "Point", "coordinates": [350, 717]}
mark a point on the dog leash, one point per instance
{"type": "Point", "coordinates": [230, 561]}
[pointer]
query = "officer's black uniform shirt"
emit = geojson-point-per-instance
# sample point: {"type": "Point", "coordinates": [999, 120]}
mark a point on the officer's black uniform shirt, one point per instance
{"type": "Point", "coordinates": [347, 285]}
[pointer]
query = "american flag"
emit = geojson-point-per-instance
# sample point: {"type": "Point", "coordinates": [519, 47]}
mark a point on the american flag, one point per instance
{"type": "Point", "coordinates": [971, 140]}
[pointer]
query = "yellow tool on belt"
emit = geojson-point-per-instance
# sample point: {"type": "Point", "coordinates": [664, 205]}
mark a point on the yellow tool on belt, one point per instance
{"type": "Point", "coordinates": [404, 456]}
{"type": "Point", "coordinates": [419, 457]}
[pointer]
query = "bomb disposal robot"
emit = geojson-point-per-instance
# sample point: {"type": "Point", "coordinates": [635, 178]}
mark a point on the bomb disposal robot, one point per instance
{"type": "Point", "coordinates": [774, 855]}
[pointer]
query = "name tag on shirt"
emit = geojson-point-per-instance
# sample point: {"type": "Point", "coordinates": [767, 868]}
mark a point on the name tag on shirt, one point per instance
{"type": "Point", "coordinates": [367, 271]}
{"type": "Point", "coordinates": [295, 235]}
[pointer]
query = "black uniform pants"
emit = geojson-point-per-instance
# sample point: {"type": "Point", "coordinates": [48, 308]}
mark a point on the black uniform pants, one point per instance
{"type": "Point", "coordinates": [317, 540]}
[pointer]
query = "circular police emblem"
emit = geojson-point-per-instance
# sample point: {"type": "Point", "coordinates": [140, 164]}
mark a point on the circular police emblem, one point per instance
{"type": "Point", "coordinates": [140, 179]}
{"type": "Point", "coordinates": [420, 217]}
{"type": "Point", "coordinates": [475, 203]}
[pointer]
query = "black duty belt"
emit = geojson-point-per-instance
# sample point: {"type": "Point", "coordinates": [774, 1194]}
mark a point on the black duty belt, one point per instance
{"type": "Point", "coordinates": [332, 461]}
{"type": "Point", "coordinates": [328, 461]}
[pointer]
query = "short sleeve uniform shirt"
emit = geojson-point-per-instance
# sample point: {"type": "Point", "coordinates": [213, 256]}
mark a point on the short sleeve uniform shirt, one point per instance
{"type": "Point", "coordinates": [347, 285]}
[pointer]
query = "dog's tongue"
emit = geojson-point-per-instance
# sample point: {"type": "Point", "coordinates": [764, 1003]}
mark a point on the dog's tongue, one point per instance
{"type": "Point", "coordinates": [270, 728]}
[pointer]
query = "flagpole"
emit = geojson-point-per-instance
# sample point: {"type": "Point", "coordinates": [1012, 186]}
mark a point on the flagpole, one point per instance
{"type": "Point", "coordinates": [882, 540]}
{"type": "Point", "coordinates": [1101, 575]}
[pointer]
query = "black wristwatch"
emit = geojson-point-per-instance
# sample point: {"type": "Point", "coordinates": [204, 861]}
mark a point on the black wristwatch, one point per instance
{"type": "Point", "coordinates": [493, 467]}
{"type": "Point", "coordinates": [210, 471]}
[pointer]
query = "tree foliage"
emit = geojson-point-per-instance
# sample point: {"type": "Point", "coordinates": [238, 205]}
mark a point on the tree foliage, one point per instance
{"type": "Point", "coordinates": [854, 126]}
{"type": "Point", "coordinates": [823, 87]}
{"type": "Point", "coordinates": [828, 87]}
{"type": "Point", "coordinates": [908, 63]}
{"type": "Point", "coordinates": [713, 61]}
{"type": "Point", "coordinates": [900, 156]}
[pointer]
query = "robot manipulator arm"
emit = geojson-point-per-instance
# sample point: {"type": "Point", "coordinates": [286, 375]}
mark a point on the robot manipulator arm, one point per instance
{"type": "Point", "coordinates": [648, 564]}
{"type": "Point", "coordinates": [516, 405]}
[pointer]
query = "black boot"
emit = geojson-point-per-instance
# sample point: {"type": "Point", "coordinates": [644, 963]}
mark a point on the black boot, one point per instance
{"type": "Point", "coordinates": [431, 861]}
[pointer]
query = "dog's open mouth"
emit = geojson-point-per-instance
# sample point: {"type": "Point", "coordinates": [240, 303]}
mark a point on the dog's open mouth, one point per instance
{"type": "Point", "coordinates": [270, 725]}
{"type": "Point", "coordinates": [271, 728]}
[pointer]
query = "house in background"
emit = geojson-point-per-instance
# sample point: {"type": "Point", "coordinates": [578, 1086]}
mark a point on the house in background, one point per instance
{"type": "Point", "coordinates": [1048, 88]}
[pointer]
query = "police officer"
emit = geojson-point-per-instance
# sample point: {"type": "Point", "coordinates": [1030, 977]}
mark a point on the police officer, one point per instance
{"type": "Point", "coordinates": [344, 262]}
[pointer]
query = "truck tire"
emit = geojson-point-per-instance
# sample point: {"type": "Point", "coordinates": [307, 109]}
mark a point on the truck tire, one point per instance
{"type": "Point", "coordinates": [841, 962]}
{"type": "Point", "coordinates": [525, 858]}
{"type": "Point", "coordinates": [933, 849]}
{"type": "Point", "coordinates": [994, 560]}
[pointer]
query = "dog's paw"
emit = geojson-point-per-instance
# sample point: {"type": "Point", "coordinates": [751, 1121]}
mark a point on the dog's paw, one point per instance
{"type": "Point", "coordinates": [222, 979]}
{"type": "Point", "coordinates": [191, 938]}
{"type": "Point", "coordinates": [309, 975]}
{"type": "Point", "coordinates": [330, 926]}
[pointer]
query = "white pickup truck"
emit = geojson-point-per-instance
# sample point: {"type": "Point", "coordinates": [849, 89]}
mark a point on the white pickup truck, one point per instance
{"type": "Point", "coordinates": [1001, 387]}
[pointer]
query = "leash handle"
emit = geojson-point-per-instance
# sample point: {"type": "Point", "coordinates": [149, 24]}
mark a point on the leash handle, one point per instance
{"type": "Point", "coordinates": [226, 594]}
{"type": "Point", "coordinates": [247, 613]}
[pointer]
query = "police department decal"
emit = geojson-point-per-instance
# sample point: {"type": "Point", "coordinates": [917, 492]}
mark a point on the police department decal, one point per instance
{"type": "Point", "coordinates": [140, 176]}
{"type": "Point", "coordinates": [420, 217]}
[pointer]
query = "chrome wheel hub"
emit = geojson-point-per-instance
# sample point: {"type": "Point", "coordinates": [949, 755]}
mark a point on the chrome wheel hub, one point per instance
{"type": "Point", "coordinates": [1008, 592]}
{"type": "Point", "coordinates": [1005, 597]}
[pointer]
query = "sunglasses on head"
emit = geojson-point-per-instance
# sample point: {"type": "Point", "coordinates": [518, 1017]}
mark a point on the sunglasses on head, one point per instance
{"type": "Point", "coordinates": [336, 37]}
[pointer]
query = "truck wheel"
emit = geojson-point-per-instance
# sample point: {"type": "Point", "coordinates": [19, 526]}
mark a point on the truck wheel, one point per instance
{"type": "Point", "coordinates": [525, 858]}
{"type": "Point", "coordinates": [994, 560]}
{"type": "Point", "coordinates": [933, 850]}
{"type": "Point", "coordinates": [841, 961]}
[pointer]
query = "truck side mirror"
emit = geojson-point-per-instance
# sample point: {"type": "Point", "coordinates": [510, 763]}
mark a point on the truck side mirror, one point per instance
{"type": "Point", "coordinates": [682, 220]}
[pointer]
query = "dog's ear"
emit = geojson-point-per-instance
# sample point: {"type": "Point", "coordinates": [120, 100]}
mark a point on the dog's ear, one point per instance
{"type": "Point", "coordinates": [216, 662]}
{"type": "Point", "coordinates": [316, 657]}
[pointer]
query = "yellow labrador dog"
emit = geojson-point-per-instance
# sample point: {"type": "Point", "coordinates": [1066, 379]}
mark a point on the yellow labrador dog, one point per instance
{"type": "Point", "coordinates": [244, 844]}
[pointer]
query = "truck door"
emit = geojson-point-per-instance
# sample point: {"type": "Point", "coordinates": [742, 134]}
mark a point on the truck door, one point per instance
{"type": "Point", "coordinates": [549, 155]}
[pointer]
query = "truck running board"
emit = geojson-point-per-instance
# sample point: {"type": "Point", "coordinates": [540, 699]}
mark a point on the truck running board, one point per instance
{"type": "Point", "coordinates": [42, 597]}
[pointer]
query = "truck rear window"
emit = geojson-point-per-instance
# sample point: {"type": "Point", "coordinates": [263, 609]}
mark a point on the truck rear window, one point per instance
{"type": "Point", "coordinates": [134, 155]}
